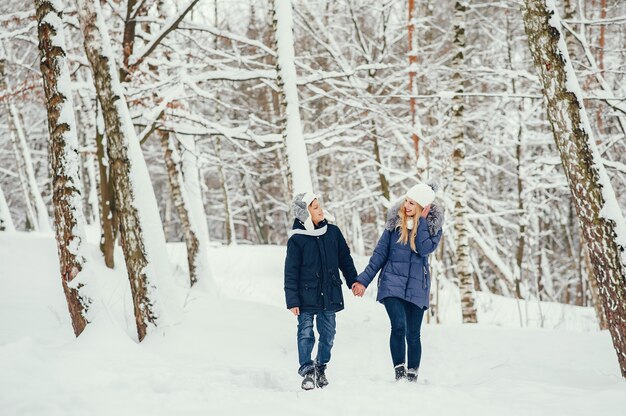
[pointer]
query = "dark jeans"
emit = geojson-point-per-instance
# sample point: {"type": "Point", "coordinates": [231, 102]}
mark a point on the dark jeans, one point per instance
{"type": "Point", "coordinates": [406, 320]}
{"type": "Point", "coordinates": [326, 325]}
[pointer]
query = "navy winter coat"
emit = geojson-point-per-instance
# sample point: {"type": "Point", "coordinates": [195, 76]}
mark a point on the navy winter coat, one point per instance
{"type": "Point", "coordinates": [405, 274]}
{"type": "Point", "coordinates": [312, 265]}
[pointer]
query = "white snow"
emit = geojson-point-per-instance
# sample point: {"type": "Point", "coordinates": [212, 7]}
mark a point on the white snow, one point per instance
{"type": "Point", "coordinates": [235, 354]}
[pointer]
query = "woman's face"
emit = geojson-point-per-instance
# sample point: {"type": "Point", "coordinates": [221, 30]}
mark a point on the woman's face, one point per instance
{"type": "Point", "coordinates": [315, 209]}
{"type": "Point", "coordinates": [410, 207]}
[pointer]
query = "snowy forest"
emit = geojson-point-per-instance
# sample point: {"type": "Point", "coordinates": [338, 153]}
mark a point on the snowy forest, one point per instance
{"type": "Point", "coordinates": [162, 142]}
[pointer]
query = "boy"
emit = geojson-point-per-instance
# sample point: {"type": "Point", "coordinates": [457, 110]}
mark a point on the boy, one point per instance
{"type": "Point", "coordinates": [316, 250]}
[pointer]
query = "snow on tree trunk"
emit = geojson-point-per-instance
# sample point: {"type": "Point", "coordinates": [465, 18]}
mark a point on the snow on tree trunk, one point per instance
{"type": "Point", "coordinates": [6, 222]}
{"type": "Point", "coordinates": [602, 222]}
{"type": "Point", "coordinates": [142, 237]}
{"type": "Point", "coordinates": [459, 182]}
{"type": "Point", "coordinates": [43, 219]}
{"type": "Point", "coordinates": [195, 237]}
{"type": "Point", "coordinates": [64, 161]}
{"type": "Point", "coordinates": [106, 201]}
{"type": "Point", "coordinates": [197, 214]}
{"type": "Point", "coordinates": [297, 158]}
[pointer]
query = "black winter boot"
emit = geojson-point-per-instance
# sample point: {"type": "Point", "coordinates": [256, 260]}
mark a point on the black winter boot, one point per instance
{"type": "Point", "coordinates": [400, 372]}
{"type": "Point", "coordinates": [308, 383]}
{"type": "Point", "coordinates": [411, 375]}
{"type": "Point", "coordinates": [320, 376]}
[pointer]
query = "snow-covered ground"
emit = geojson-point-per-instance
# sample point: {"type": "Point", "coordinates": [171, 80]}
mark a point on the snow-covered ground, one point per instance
{"type": "Point", "coordinates": [234, 353]}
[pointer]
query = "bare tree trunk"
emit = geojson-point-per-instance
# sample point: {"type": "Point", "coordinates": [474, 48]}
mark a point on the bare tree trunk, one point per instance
{"type": "Point", "coordinates": [183, 208]}
{"type": "Point", "coordinates": [142, 238]}
{"type": "Point", "coordinates": [21, 146]}
{"type": "Point", "coordinates": [229, 224]}
{"type": "Point", "coordinates": [6, 222]}
{"type": "Point", "coordinates": [412, 35]}
{"type": "Point", "coordinates": [86, 118]}
{"type": "Point", "coordinates": [64, 160]}
{"type": "Point", "coordinates": [299, 173]}
{"type": "Point", "coordinates": [108, 215]}
{"type": "Point", "coordinates": [601, 220]}
{"type": "Point", "coordinates": [459, 182]}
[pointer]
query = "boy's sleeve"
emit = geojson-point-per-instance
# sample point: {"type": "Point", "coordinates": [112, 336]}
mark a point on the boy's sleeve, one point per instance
{"type": "Point", "coordinates": [346, 263]}
{"type": "Point", "coordinates": [293, 261]}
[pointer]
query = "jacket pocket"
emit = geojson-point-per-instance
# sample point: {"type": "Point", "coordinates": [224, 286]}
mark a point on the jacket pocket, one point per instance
{"type": "Point", "coordinates": [426, 281]}
{"type": "Point", "coordinates": [336, 297]}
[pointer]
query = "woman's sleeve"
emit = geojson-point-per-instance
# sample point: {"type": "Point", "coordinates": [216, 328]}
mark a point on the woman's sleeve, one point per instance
{"type": "Point", "coordinates": [377, 261]}
{"type": "Point", "coordinates": [424, 242]}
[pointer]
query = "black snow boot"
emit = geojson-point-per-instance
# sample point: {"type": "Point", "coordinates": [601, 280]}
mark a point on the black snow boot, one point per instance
{"type": "Point", "coordinates": [400, 372]}
{"type": "Point", "coordinates": [308, 383]}
{"type": "Point", "coordinates": [411, 375]}
{"type": "Point", "coordinates": [320, 375]}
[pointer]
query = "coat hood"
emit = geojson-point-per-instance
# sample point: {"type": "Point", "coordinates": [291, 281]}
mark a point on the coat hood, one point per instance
{"type": "Point", "coordinates": [434, 218]}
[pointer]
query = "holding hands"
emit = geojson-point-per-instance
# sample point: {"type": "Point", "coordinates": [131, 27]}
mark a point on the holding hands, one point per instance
{"type": "Point", "coordinates": [358, 289]}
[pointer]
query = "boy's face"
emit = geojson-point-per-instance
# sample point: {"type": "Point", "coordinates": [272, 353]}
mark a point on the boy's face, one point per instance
{"type": "Point", "coordinates": [315, 209]}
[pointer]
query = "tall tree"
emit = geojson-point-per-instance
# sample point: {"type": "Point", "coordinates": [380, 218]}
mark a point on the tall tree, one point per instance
{"type": "Point", "coordinates": [602, 223]}
{"type": "Point", "coordinates": [141, 231]}
{"type": "Point", "coordinates": [459, 182]}
{"type": "Point", "coordinates": [296, 154]}
{"type": "Point", "coordinates": [64, 160]}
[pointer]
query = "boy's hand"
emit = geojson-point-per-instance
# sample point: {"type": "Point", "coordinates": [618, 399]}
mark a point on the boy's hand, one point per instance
{"type": "Point", "coordinates": [295, 311]}
{"type": "Point", "coordinates": [358, 289]}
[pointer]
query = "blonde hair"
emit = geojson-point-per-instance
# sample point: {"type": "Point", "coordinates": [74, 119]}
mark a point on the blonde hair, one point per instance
{"type": "Point", "coordinates": [405, 236]}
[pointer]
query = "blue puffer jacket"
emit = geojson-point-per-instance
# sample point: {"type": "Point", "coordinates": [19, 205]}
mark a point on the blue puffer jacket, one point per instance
{"type": "Point", "coordinates": [405, 274]}
{"type": "Point", "coordinates": [312, 265]}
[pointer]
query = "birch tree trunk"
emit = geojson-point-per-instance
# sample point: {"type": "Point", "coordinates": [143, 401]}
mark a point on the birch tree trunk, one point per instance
{"type": "Point", "coordinates": [459, 182]}
{"type": "Point", "coordinates": [195, 238]}
{"type": "Point", "coordinates": [6, 222]}
{"type": "Point", "coordinates": [603, 226]}
{"type": "Point", "coordinates": [142, 237]}
{"type": "Point", "coordinates": [64, 160]}
{"type": "Point", "coordinates": [297, 159]}
{"type": "Point", "coordinates": [106, 200]}
{"type": "Point", "coordinates": [595, 293]}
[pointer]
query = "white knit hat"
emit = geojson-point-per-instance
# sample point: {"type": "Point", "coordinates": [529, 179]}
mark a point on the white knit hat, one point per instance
{"type": "Point", "coordinates": [300, 207]}
{"type": "Point", "coordinates": [422, 194]}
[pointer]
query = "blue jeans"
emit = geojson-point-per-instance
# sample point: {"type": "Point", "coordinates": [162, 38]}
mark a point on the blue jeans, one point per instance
{"type": "Point", "coordinates": [306, 339]}
{"type": "Point", "coordinates": [406, 320]}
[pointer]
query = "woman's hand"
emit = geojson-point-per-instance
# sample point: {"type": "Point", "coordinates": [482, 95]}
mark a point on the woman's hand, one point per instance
{"type": "Point", "coordinates": [425, 211]}
{"type": "Point", "coordinates": [358, 289]}
{"type": "Point", "coordinates": [295, 311]}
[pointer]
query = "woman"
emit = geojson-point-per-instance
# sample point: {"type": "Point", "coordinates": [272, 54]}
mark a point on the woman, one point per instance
{"type": "Point", "coordinates": [316, 251]}
{"type": "Point", "coordinates": [412, 232]}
